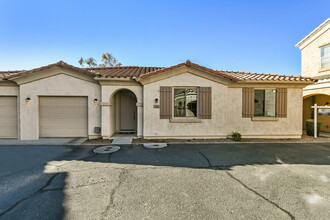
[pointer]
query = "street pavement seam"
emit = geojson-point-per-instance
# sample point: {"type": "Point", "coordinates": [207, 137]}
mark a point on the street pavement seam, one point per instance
{"type": "Point", "coordinates": [263, 197]}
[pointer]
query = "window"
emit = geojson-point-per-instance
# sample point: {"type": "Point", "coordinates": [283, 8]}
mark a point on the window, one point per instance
{"type": "Point", "coordinates": [325, 56]}
{"type": "Point", "coordinates": [265, 103]}
{"type": "Point", "coordinates": [190, 102]}
{"type": "Point", "coordinates": [185, 102]}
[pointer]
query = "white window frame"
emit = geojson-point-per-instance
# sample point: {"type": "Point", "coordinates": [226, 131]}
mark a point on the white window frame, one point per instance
{"type": "Point", "coordinates": [321, 64]}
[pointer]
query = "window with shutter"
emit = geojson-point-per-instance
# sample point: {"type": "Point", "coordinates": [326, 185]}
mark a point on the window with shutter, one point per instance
{"type": "Point", "coordinates": [205, 102]}
{"type": "Point", "coordinates": [248, 102]}
{"type": "Point", "coordinates": [264, 102]}
{"type": "Point", "coordinates": [165, 103]}
{"type": "Point", "coordinates": [185, 102]}
{"type": "Point", "coordinates": [281, 102]}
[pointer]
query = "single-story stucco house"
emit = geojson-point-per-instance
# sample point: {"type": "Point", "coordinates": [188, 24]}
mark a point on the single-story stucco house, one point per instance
{"type": "Point", "coordinates": [182, 101]}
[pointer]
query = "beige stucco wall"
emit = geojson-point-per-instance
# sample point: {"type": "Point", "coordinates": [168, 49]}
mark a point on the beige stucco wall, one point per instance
{"type": "Point", "coordinates": [157, 128]}
{"type": "Point", "coordinates": [226, 113]}
{"type": "Point", "coordinates": [109, 107]}
{"type": "Point", "coordinates": [311, 56]}
{"type": "Point", "coordinates": [9, 90]}
{"type": "Point", "coordinates": [56, 85]}
{"type": "Point", "coordinates": [291, 126]}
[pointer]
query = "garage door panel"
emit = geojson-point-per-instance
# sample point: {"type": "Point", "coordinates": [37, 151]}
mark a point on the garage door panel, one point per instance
{"type": "Point", "coordinates": [8, 117]}
{"type": "Point", "coordinates": [63, 116]}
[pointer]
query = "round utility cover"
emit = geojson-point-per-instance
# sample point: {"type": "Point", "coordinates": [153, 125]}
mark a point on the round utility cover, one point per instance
{"type": "Point", "coordinates": [155, 145]}
{"type": "Point", "coordinates": [106, 149]}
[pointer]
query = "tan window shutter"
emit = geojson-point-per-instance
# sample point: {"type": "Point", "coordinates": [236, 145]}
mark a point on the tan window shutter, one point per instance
{"type": "Point", "coordinates": [205, 102]}
{"type": "Point", "coordinates": [281, 102]}
{"type": "Point", "coordinates": [248, 102]}
{"type": "Point", "coordinates": [165, 102]}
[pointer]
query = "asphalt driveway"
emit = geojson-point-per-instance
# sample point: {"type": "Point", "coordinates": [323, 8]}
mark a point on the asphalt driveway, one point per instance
{"type": "Point", "coordinates": [219, 181]}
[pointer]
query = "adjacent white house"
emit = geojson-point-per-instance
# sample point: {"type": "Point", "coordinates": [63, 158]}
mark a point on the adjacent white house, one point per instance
{"type": "Point", "coordinates": [315, 62]}
{"type": "Point", "coordinates": [182, 101]}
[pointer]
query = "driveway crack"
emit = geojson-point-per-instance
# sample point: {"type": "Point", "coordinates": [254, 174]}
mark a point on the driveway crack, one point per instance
{"type": "Point", "coordinates": [39, 191]}
{"type": "Point", "coordinates": [207, 159]}
{"type": "Point", "coordinates": [261, 196]}
{"type": "Point", "coordinates": [122, 178]}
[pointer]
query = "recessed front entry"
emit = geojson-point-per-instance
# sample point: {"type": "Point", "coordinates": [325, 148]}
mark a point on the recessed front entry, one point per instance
{"type": "Point", "coordinates": [128, 111]}
{"type": "Point", "coordinates": [123, 115]}
{"type": "Point", "coordinates": [63, 116]}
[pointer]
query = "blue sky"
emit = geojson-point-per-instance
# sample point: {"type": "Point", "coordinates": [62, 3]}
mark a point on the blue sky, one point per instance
{"type": "Point", "coordinates": [245, 35]}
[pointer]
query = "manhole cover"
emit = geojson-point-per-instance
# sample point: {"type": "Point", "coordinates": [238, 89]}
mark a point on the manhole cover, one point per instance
{"type": "Point", "coordinates": [155, 145]}
{"type": "Point", "coordinates": [106, 149]}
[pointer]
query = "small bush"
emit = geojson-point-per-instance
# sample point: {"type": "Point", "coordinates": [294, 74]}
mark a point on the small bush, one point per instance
{"type": "Point", "coordinates": [236, 136]}
{"type": "Point", "coordinates": [310, 127]}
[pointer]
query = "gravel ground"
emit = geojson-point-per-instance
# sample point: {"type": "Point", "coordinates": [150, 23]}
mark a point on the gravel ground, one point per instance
{"type": "Point", "coordinates": [304, 139]}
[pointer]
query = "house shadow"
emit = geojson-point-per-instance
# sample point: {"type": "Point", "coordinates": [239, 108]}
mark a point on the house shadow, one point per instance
{"type": "Point", "coordinates": [42, 197]}
{"type": "Point", "coordinates": [220, 156]}
{"type": "Point", "coordinates": [27, 191]}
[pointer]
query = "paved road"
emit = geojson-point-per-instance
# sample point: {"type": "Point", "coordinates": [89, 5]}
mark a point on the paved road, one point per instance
{"type": "Point", "coordinates": [221, 181]}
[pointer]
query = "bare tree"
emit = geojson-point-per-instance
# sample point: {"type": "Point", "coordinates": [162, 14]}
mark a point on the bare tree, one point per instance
{"type": "Point", "coordinates": [108, 61]}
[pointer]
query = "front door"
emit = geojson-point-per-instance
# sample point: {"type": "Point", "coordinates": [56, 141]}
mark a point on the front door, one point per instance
{"type": "Point", "coordinates": [127, 111]}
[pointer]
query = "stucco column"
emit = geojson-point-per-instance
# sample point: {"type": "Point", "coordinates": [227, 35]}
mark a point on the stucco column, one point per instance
{"type": "Point", "coordinates": [105, 119]}
{"type": "Point", "coordinates": [139, 131]}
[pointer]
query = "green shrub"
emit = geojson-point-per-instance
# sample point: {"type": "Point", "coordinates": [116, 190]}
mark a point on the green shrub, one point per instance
{"type": "Point", "coordinates": [236, 136]}
{"type": "Point", "coordinates": [310, 127]}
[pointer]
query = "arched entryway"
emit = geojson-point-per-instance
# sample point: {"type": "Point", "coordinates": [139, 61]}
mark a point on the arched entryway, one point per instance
{"type": "Point", "coordinates": [123, 116]}
{"type": "Point", "coordinates": [308, 112]}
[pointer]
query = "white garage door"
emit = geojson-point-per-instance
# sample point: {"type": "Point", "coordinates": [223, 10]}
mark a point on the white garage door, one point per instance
{"type": "Point", "coordinates": [8, 117]}
{"type": "Point", "coordinates": [63, 116]}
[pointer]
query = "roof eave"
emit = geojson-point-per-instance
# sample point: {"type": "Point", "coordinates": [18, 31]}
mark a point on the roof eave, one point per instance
{"type": "Point", "coordinates": [312, 33]}
{"type": "Point", "coordinates": [58, 64]}
{"type": "Point", "coordinates": [306, 82]}
{"type": "Point", "coordinates": [188, 63]}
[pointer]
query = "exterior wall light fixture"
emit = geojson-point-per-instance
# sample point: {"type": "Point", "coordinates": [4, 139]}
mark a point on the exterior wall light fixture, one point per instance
{"type": "Point", "coordinates": [27, 100]}
{"type": "Point", "coordinates": [156, 100]}
{"type": "Point", "coordinates": [96, 101]}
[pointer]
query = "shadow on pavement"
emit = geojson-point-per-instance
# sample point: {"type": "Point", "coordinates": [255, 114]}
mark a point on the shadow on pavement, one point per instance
{"type": "Point", "coordinates": [26, 191]}
{"type": "Point", "coordinates": [222, 156]}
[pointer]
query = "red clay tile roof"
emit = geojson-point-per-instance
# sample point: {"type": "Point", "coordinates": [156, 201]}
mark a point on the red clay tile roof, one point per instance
{"type": "Point", "coordinates": [188, 63]}
{"type": "Point", "coordinates": [60, 64]}
{"type": "Point", "coordinates": [4, 74]}
{"type": "Point", "coordinates": [144, 72]}
{"type": "Point", "coordinates": [122, 71]}
{"type": "Point", "coordinates": [247, 76]}
{"type": "Point", "coordinates": [236, 75]}
{"type": "Point", "coordinates": [326, 76]}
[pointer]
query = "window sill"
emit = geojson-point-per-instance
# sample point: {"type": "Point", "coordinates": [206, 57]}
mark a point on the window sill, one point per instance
{"type": "Point", "coordinates": [264, 119]}
{"type": "Point", "coordinates": [185, 120]}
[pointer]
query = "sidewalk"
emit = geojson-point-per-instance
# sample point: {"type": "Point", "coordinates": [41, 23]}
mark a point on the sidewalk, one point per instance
{"type": "Point", "coordinates": [44, 141]}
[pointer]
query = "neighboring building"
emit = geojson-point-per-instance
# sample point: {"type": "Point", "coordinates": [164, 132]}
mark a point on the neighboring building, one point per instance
{"type": "Point", "coordinates": [182, 101]}
{"type": "Point", "coordinates": [315, 60]}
